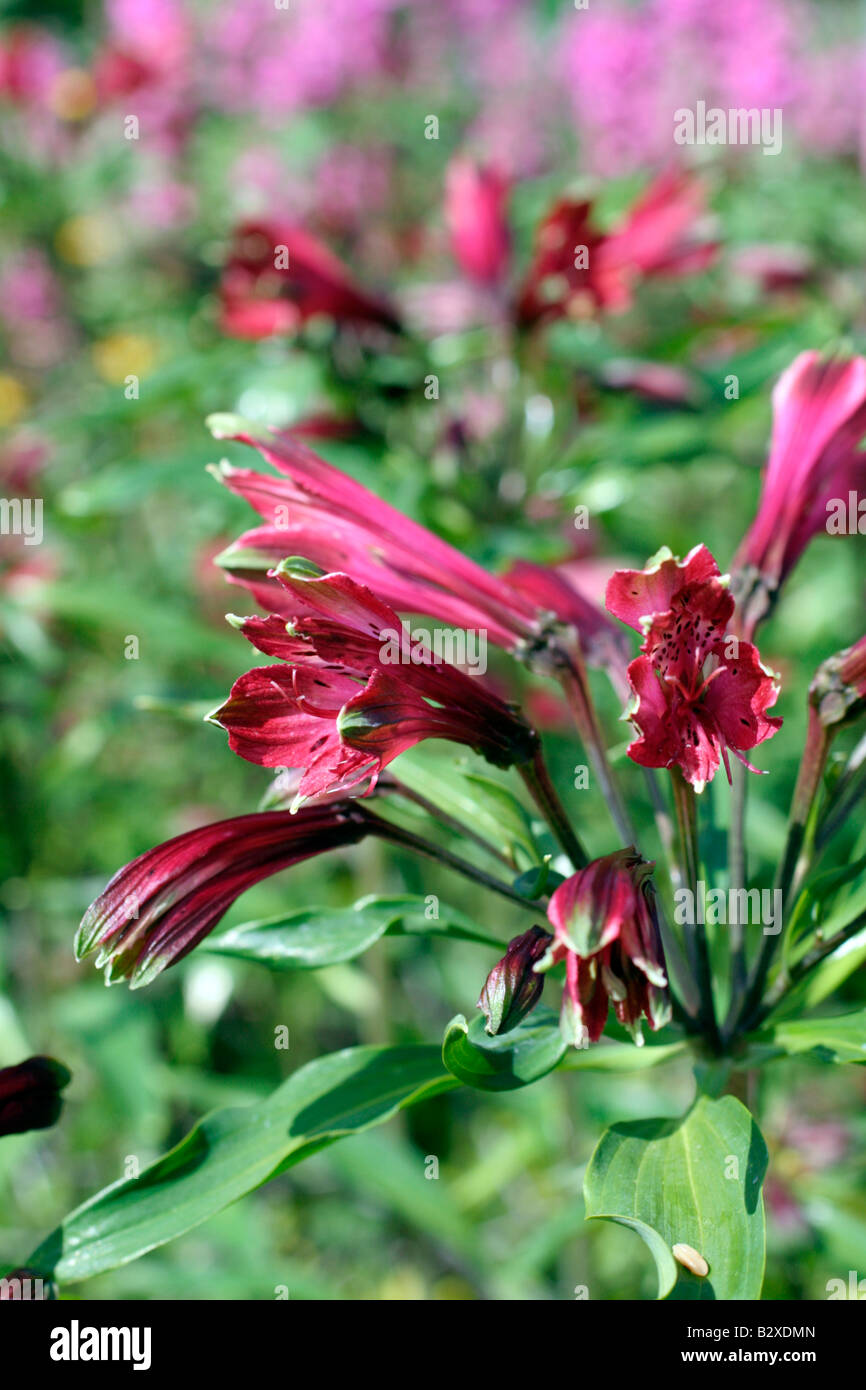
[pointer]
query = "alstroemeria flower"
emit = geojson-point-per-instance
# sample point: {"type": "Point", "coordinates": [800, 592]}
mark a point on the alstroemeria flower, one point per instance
{"type": "Point", "coordinates": [356, 690]}
{"type": "Point", "coordinates": [698, 691]}
{"type": "Point", "coordinates": [578, 271]}
{"type": "Point", "coordinates": [314, 510]}
{"type": "Point", "coordinates": [476, 213]}
{"type": "Point", "coordinates": [819, 420]}
{"type": "Point", "coordinates": [278, 276]}
{"type": "Point", "coordinates": [30, 1094]}
{"type": "Point", "coordinates": [162, 904]}
{"type": "Point", "coordinates": [606, 930]}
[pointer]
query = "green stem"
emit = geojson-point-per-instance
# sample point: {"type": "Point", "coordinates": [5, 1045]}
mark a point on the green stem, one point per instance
{"type": "Point", "coordinates": [546, 798]}
{"type": "Point", "coordinates": [696, 937]}
{"type": "Point", "coordinates": [793, 865]}
{"type": "Point", "coordinates": [737, 879]}
{"type": "Point", "coordinates": [396, 835]}
{"type": "Point", "coordinates": [451, 822]}
{"type": "Point", "coordinates": [571, 673]}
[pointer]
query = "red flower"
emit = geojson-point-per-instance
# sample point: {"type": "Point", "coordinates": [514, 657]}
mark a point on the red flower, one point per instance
{"type": "Point", "coordinates": [316, 511]}
{"type": "Point", "coordinates": [819, 419]}
{"type": "Point", "coordinates": [698, 691]}
{"type": "Point", "coordinates": [278, 276]}
{"type": "Point", "coordinates": [356, 691]}
{"type": "Point", "coordinates": [475, 210]}
{"type": "Point", "coordinates": [578, 270]}
{"type": "Point", "coordinates": [605, 928]}
{"type": "Point", "coordinates": [30, 1094]}
{"type": "Point", "coordinates": [156, 909]}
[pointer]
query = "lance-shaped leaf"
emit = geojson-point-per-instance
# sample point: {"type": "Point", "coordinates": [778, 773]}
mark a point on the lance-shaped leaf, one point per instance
{"type": "Point", "coordinates": [235, 1150]}
{"type": "Point", "coordinates": [317, 936]}
{"type": "Point", "coordinates": [694, 1181]}
{"type": "Point", "coordinates": [507, 1061]}
{"type": "Point", "coordinates": [841, 1038]}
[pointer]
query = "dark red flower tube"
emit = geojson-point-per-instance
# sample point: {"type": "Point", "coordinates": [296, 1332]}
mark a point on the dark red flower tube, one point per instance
{"type": "Point", "coordinates": [30, 1094]}
{"type": "Point", "coordinates": [314, 510]}
{"type": "Point", "coordinates": [357, 690]}
{"type": "Point", "coordinates": [161, 905]}
{"type": "Point", "coordinates": [476, 201]}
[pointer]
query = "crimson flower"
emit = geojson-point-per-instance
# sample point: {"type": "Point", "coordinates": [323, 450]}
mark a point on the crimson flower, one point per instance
{"type": "Point", "coordinates": [30, 1094]}
{"type": "Point", "coordinates": [355, 692]}
{"type": "Point", "coordinates": [476, 212]}
{"type": "Point", "coordinates": [819, 419]}
{"type": "Point", "coordinates": [161, 905]}
{"type": "Point", "coordinates": [606, 930]}
{"type": "Point", "coordinates": [278, 276]}
{"type": "Point", "coordinates": [698, 692]}
{"type": "Point", "coordinates": [578, 271]}
{"type": "Point", "coordinates": [314, 510]}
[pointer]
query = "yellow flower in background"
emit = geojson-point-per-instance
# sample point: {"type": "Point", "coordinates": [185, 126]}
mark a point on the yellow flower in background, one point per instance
{"type": "Point", "coordinates": [124, 354]}
{"type": "Point", "coordinates": [13, 399]}
{"type": "Point", "coordinates": [72, 96]}
{"type": "Point", "coordinates": [87, 239]}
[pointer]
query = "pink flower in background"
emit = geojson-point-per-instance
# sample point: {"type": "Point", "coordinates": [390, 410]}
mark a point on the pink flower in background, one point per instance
{"type": "Point", "coordinates": [578, 271]}
{"type": "Point", "coordinates": [30, 61]}
{"type": "Point", "coordinates": [476, 210]}
{"type": "Point", "coordinates": [278, 276]}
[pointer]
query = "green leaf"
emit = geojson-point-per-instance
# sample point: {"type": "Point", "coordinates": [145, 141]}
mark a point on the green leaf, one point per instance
{"type": "Point", "coordinates": [606, 1055]}
{"type": "Point", "coordinates": [508, 1060]}
{"type": "Point", "coordinates": [673, 1181]}
{"type": "Point", "coordinates": [825, 978]}
{"type": "Point", "coordinates": [235, 1150]}
{"type": "Point", "coordinates": [487, 807]}
{"type": "Point", "coordinates": [841, 1038]}
{"type": "Point", "coordinates": [316, 936]}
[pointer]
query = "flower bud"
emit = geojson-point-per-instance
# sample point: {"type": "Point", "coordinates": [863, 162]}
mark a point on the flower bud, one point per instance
{"type": "Point", "coordinates": [512, 989]}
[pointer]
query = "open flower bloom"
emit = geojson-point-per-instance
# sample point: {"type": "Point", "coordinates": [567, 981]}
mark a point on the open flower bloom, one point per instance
{"type": "Point", "coordinates": [476, 212]}
{"type": "Point", "coordinates": [278, 276]}
{"type": "Point", "coordinates": [698, 691]}
{"type": "Point", "coordinates": [312, 509]}
{"type": "Point", "coordinates": [819, 420]}
{"type": "Point", "coordinates": [356, 690]}
{"type": "Point", "coordinates": [578, 271]}
{"type": "Point", "coordinates": [606, 930]}
{"type": "Point", "coordinates": [160, 906]}
{"type": "Point", "coordinates": [30, 1094]}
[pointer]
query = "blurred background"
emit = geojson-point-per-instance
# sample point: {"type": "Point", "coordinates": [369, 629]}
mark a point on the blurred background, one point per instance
{"type": "Point", "coordinates": [137, 135]}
